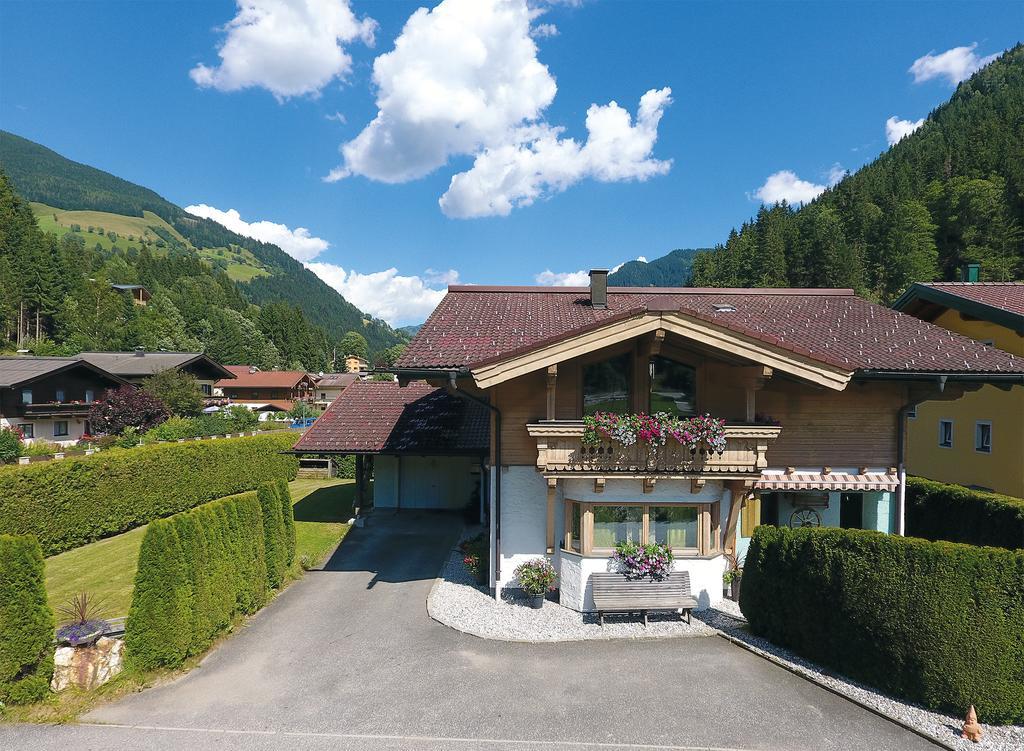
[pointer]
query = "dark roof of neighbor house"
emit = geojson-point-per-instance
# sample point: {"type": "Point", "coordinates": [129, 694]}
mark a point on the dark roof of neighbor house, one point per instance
{"type": "Point", "coordinates": [247, 377]}
{"type": "Point", "coordinates": [24, 369]}
{"type": "Point", "coordinates": [475, 325]}
{"type": "Point", "coordinates": [381, 417]}
{"type": "Point", "coordinates": [142, 363]}
{"type": "Point", "coordinates": [336, 380]}
{"type": "Point", "coordinates": [1001, 303]}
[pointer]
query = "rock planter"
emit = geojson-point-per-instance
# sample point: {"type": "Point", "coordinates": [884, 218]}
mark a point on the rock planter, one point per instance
{"type": "Point", "coordinates": [87, 667]}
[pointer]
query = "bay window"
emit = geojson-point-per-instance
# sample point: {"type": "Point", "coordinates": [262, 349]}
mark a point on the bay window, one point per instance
{"type": "Point", "coordinates": [596, 528]}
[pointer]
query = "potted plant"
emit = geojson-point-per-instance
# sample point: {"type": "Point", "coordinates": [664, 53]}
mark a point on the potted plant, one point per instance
{"type": "Point", "coordinates": [536, 577]}
{"type": "Point", "coordinates": [83, 624]}
{"type": "Point", "coordinates": [731, 577]}
{"type": "Point", "coordinates": [475, 554]}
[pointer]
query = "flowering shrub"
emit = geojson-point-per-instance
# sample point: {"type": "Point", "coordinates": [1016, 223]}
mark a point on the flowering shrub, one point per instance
{"type": "Point", "coordinates": [536, 577]}
{"type": "Point", "coordinates": [474, 556]}
{"type": "Point", "coordinates": [699, 432]}
{"type": "Point", "coordinates": [640, 561]}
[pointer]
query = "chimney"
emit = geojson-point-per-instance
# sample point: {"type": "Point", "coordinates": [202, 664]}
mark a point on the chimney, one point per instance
{"type": "Point", "coordinates": [970, 272]}
{"type": "Point", "coordinates": [599, 289]}
{"type": "Point", "coordinates": [140, 351]}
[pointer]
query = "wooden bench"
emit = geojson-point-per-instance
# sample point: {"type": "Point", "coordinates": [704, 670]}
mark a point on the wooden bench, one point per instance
{"type": "Point", "coordinates": [614, 593]}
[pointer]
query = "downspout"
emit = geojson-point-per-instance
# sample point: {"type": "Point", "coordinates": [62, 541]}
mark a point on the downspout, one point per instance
{"type": "Point", "coordinates": [901, 469]}
{"type": "Point", "coordinates": [453, 388]}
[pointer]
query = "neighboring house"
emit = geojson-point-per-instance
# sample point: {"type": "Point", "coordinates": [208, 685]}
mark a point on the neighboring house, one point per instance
{"type": "Point", "coordinates": [330, 385]}
{"type": "Point", "coordinates": [426, 446]}
{"type": "Point", "coordinates": [266, 390]}
{"type": "Point", "coordinates": [977, 441]}
{"type": "Point", "coordinates": [139, 294]}
{"type": "Point", "coordinates": [49, 398]}
{"type": "Point", "coordinates": [356, 364]}
{"type": "Point", "coordinates": [139, 364]}
{"type": "Point", "coordinates": [811, 383]}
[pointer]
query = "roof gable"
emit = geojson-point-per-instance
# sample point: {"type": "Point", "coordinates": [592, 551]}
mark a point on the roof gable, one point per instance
{"type": "Point", "coordinates": [22, 370]}
{"type": "Point", "coordinates": [1001, 303]}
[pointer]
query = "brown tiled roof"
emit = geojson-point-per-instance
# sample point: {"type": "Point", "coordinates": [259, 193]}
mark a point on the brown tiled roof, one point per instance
{"type": "Point", "coordinates": [1005, 295]}
{"type": "Point", "coordinates": [383, 417]}
{"type": "Point", "coordinates": [282, 405]}
{"type": "Point", "coordinates": [282, 379]}
{"type": "Point", "coordinates": [474, 325]}
{"type": "Point", "coordinates": [336, 380]}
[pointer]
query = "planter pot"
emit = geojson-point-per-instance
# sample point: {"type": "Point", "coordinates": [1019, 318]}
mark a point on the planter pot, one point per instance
{"type": "Point", "coordinates": [734, 589]}
{"type": "Point", "coordinates": [535, 601]}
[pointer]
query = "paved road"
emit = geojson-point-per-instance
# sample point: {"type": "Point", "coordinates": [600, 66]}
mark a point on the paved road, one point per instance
{"type": "Point", "coordinates": [348, 659]}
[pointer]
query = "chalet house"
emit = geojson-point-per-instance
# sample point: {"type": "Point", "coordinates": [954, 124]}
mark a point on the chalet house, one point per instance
{"type": "Point", "coordinates": [976, 441]}
{"type": "Point", "coordinates": [266, 390]}
{"type": "Point", "coordinates": [330, 385]}
{"type": "Point", "coordinates": [49, 398]}
{"type": "Point", "coordinates": [424, 447]}
{"type": "Point", "coordinates": [139, 364]}
{"type": "Point", "coordinates": [813, 386]}
{"type": "Point", "coordinates": [139, 294]}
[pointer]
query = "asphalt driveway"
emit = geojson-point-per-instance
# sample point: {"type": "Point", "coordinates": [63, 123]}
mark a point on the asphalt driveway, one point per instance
{"type": "Point", "coordinates": [347, 658]}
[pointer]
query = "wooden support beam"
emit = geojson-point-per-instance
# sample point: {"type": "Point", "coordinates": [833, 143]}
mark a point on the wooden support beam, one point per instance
{"type": "Point", "coordinates": [552, 383]}
{"type": "Point", "coordinates": [657, 341]}
{"type": "Point", "coordinates": [552, 497]}
{"type": "Point", "coordinates": [697, 485]}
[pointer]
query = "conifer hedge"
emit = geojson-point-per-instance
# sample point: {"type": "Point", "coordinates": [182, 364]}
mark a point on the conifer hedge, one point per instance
{"type": "Point", "coordinates": [275, 534]}
{"type": "Point", "coordinates": [26, 622]}
{"type": "Point", "coordinates": [288, 512]}
{"type": "Point", "coordinates": [936, 623]}
{"type": "Point", "coordinates": [75, 501]}
{"type": "Point", "coordinates": [197, 570]}
{"type": "Point", "coordinates": [937, 511]}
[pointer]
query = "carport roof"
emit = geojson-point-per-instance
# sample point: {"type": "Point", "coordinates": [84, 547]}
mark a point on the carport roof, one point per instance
{"type": "Point", "coordinates": [381, 417]}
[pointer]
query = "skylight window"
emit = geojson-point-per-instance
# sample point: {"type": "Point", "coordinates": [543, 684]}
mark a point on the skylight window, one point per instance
{"type": "Point", "coordinates": [724, 308]}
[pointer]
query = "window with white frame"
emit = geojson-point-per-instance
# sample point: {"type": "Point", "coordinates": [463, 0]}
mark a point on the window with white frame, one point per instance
{"type": "Point", "coordinates": [60, 428]}
{"type": "Point", "coordinates": [58, 395]}
{"type": "Point", "coordinates": [596, 528]}
{"type": "Point", "coordinates": [983, 436]}
{"type": "Point", "coordinates": [946, 434]}
{"type": "Point", "coordinates": [90, 395]}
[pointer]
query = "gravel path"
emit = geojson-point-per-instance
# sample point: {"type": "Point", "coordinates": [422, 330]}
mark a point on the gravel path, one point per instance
{"type": "Point", "coordinates": [943, 728]}
{"type": "Point", "coordinates": [456, 601]}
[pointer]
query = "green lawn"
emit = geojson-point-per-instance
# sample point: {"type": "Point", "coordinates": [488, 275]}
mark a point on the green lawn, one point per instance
{"type": "Point", "coordinates": [106, 568]}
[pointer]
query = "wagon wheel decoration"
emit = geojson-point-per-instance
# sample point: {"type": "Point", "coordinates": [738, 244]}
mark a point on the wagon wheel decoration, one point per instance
{"type": "Point", "coordinates": [804, 517]}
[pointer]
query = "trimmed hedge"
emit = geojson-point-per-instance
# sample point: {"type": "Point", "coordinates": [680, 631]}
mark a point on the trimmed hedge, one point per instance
{"type": "Point", "coordinates": [288, 513]}
{"type": "Point", "coordinates": [937, 623]}
{"type": "Point", "coordinates": [937, 511]}
{"type": "Point", "coordinates": [75, 501]}
{"type": "Point", "coordinates": [197, 570]}
{"type": "Point", "coordinates": [26, 622]}
{"type": "Point", "coordinates": [275, 534]}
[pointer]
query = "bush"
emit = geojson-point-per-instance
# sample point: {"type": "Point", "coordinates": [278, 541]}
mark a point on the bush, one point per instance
{"type": "Point", "coordinates": [26, 622]}
{"type": "Point", "coordinates": [936, 511]}
{"type": "Point", "coordinates": [126, 407]}
{"type": "Point", "coordinates": [936, 623]}
{"type": "Point", "coordinates": [178, 390]}
{"type": "Point", "coordinates": [10, 444]}
{"type": "Point", "coordinates": [288, 513]}
{"type": "Point", "coordinates": [274, 534]}
{"type": "Point", "coordinates": [197, 570]}
{"type": "Point", "coordinates": [75, 501]}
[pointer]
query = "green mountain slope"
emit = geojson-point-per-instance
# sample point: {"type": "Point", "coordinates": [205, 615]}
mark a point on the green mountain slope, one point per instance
{"type": "Point", "coordinates": [267, 274]}
{"type": "Point", "coordinates": [671, 270]}
{"type": "Point", "coordinates": [949, 194]}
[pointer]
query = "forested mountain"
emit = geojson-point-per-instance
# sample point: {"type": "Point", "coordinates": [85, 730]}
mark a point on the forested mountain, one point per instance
{"type": "Point", "coordinates": [671, 270]}
{"type": "Point", "coordinates": [949, 194]}
{"type": "Point", "coordinates": [247, 272]}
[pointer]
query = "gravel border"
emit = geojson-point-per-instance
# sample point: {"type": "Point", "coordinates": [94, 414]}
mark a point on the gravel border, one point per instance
{"type": "Point", "coordinates": [456, 601]}
{"type": "Point", "coordinates": [937, 727]}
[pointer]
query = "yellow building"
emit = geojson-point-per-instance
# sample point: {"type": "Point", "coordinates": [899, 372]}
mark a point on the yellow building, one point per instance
{"type": "Point", "coordinates": [356, 364]}
{"type": "Point", "coordinates": [977, 440]}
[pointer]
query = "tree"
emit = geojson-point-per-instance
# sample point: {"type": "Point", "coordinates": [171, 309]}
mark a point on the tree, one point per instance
{"type": "Point", "coordinates": [178, 390]}
{"type": "Point", "coordinates": [126, 407]}
{"type": "Point", "coordinates": [353, 343]}
{"type": "Point", "coordinates": [389, 356]}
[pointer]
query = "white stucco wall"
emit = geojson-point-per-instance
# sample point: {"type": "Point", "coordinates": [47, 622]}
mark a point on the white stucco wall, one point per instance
{"type": "Point", "coordinates": [43, 429]}
{"type": "Point", "coordinates": [433, 482]}
{"type": "Point", "coordinates": [524, 518]}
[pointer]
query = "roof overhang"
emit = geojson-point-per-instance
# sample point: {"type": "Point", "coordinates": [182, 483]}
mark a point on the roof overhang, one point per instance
{"type": "Point", "coordinates": [865, 481]}
{"type": "Point", "coordinates": [118, 380]}
{"type": "Point", "coordinates": [688, 327]}
{"type": "Point", "coordinates": [918, 296]}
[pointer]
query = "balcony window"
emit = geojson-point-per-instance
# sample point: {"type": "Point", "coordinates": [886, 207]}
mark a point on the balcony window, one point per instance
{"type": "Point", "coordinates": [60, 428]}
{"type": "Point", "coordinates": [606, 385]}
{"type": "Point", "coordinates": [26, 396]}
{"type": "Point", "coordinates": [59, 396]}
{"type": "Point", "coordinates": [90, 395]}
{"type": "Point", "coordinates": [596, 528]}
{"type": "Point", "coordinates": [983, 437]}
{"type": "Point", "coordinates": [672, 387]}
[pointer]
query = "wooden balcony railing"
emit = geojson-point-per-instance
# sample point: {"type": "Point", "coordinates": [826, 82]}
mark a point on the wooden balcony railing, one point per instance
{"type": "Point", "coordinates": [560, 451]}
{"type": "Point", "coordinates": [59, 409]}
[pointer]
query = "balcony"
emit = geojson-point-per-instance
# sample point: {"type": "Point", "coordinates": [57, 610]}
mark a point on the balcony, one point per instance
{"type": "Point", "coordinates": [58, 409]}
{"type": "Point", "coordinates": [560, 452]}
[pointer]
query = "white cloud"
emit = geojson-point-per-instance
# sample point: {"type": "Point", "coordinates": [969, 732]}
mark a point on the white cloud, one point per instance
{"type": "Point", "coordinates": [539, 162]}
{"type": "Point", "coordinates": [549, 278]}
{"type": "Point", "coordinates": [289, 47]}
{"type": "Point", "coordinates": [954, 64]}
{"type": "Point", "coordinates": [463, 79]}
{"type": "Point", "coordinates": [298, 242]}
{"type": "Point", "coordinates": [784, 185]}
{"type": "Point", "coordinates": [336, 117]}
{"type": "Point", "coordinates": [896, 130]}
{"type": "Point", "coordinates": [385, 294]}
{"type": "Point", "coordinates": [542, 30]}
{"type": "Point", "coordinates": [835, 173]}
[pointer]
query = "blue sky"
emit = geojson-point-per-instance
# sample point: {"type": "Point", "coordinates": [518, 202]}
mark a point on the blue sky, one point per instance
{"type": "Point", "coordinates": [756, 90]}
